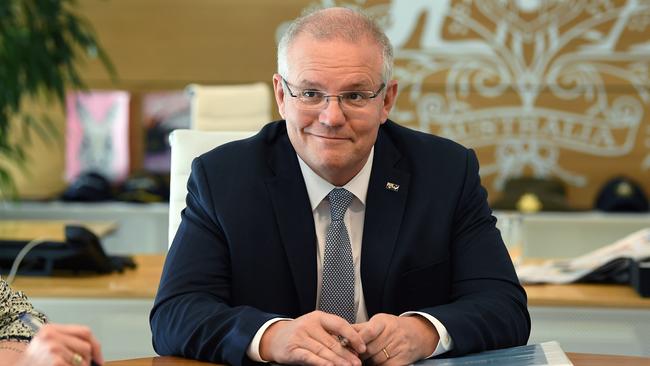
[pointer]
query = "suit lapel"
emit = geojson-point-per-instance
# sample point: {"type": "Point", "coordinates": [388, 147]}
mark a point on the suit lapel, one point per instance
{"type": "Point", "coordinates": [288, 194]}
{"type": "Point", "coordinates": [385, 205]}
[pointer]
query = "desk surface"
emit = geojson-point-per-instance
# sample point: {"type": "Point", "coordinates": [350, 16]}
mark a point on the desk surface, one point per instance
{"type": "Point", "coordinates": [140, 283]}
{"type": "Point", "coordinates": [52, 230]}
{"type": "Point", "coordinates": [143, 283]}
{"type": "Point", "coordinates": [586, 295]}
{"type": "Point", "coordinates": [578, 359]}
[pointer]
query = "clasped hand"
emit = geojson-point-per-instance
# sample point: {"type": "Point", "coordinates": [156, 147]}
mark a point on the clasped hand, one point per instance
{"type": "Point", "coordinates": [316, 339]}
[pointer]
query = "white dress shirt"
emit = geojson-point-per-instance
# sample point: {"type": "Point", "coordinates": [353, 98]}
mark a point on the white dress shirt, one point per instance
{"type": "Point", "coordinates": [318, 189]}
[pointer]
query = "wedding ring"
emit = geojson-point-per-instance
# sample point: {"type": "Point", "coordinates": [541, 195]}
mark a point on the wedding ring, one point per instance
{"type": "Point", "coordinates": [77, 360]}
{"type": "Point", "coordinates": [385, 353]}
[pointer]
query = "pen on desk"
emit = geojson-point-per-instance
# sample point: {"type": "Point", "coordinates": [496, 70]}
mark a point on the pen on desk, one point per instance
{"type": "Point", "coordinates": [36, 324]}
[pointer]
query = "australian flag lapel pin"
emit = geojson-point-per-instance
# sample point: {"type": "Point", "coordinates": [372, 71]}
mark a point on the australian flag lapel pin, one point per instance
{"type": "Point", "coordinates": [392, 186]}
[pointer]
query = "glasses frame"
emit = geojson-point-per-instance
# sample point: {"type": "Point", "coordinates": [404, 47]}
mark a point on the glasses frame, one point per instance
{"type": "Point", "coordinates": [327, 97]}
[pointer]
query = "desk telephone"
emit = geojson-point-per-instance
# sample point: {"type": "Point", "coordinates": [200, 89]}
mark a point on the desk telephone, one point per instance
{"type": "Point", "coordinates": [623, 270]}
{"type": "Point", "coordinates": [80, 253]}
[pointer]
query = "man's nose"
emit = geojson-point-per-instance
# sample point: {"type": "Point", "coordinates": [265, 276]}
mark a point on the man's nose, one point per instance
{"type": "Point", "coordinates": [332, 114]}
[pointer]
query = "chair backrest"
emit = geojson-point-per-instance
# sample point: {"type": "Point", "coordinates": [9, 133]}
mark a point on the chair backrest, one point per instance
{"type": "Point", "coordinates": [186, 145]}
{"type": "Point", "coordinates": [245, 107]}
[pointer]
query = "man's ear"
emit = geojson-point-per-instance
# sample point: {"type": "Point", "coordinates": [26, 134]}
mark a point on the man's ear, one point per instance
{"type": "Point", "coordinates": [278, 91]}
{"type": "Point", "coordinates": [390, 97]}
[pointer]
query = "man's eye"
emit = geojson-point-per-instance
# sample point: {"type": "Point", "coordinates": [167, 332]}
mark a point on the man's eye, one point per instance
{"type": "Point", "coordinates": [354, 96]}
{"type": "Point", "coordinates": [311, 94]}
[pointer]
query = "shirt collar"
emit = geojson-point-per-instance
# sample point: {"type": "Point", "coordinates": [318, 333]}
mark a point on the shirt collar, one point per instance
{"type": "Point", "coordinates": [318, 188]}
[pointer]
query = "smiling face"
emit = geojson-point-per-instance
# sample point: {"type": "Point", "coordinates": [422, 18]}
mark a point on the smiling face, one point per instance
{"type": "Point", "coordinates": [335, 141]}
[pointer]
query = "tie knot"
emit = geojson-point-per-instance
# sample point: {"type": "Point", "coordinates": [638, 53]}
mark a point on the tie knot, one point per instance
{"type": "Point", "coordinates": [340, 199]}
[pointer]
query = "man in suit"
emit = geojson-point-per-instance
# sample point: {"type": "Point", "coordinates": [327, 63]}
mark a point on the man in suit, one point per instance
{"type": "Point", "coordinates": [336, 236]}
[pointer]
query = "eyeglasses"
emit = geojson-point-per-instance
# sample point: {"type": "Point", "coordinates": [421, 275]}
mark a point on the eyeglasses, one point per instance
{"type": "Point", "coordinates": [317, 99]}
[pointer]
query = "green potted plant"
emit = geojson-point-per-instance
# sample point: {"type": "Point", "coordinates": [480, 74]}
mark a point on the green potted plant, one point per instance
{"type": "Point", "coordinates": [41, 45]}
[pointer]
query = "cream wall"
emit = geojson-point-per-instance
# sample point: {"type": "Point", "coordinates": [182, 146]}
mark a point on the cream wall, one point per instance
{"type": "Point", "coordinates": [42, 174]}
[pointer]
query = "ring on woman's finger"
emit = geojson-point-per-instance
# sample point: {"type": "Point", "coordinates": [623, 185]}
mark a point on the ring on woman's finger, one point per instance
{"type": "Point", "coordinates": [385, 353]}
{"type": "Point", "coordinates": [77, 360]}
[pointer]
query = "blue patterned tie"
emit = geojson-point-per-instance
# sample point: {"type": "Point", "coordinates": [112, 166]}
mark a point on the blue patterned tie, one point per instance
{"type": "Point", "coordinates": [337, 290]}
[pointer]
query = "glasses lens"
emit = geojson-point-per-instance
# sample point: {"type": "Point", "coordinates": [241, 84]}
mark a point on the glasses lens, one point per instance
{"type": "Point", "coordinates": [355, 98]}
{"type": "Point", "coordinates": [312, 98]}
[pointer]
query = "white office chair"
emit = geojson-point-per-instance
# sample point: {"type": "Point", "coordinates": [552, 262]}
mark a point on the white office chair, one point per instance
{"type": "Point", "coordinates": [186, 145]}
{"type": "Point", "coordinates": [245, 107]}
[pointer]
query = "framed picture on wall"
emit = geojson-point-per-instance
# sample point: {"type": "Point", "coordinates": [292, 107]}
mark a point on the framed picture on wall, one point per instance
{"type": "Point", "coordinates": [97, 138]}
{"type": "Point", "coordinates": [162, 112]}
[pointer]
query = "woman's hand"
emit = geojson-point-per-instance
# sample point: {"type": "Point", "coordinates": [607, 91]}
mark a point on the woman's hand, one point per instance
{"type": "Point", "coordinates": [62, 345]}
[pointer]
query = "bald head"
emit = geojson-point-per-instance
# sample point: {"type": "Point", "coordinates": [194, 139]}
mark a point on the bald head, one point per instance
{"type": "Point", "coordinates": [336, 24]}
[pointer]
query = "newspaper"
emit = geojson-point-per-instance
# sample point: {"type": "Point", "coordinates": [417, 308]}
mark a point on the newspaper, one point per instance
{"type": "Point", "coordinates": [634, 246]}
{"type": "Point", "coordinates": [542, 354]}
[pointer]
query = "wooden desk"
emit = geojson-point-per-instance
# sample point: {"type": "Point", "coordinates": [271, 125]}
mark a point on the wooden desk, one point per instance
{"type": "Point", "coordinates": [583, 318]}
{"type": "Point", "coordinates": [157, 361]}
{"type": "Point", "coordinates": [590, 359]}
{"type": "Point", "coordinates": [586, 295]}
{"type": "Point", "coordinates": [578, 359]}
{"type": "Point", "coordinates": [140, 283]}
{"type": "Point", "coordinates": [53, 230]}
{"type": "Point", "coordinates": [143, 283]}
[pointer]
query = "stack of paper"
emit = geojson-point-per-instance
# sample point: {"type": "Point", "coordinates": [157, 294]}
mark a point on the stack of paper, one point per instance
{"type": "Point", "coordinates": [543, 354]}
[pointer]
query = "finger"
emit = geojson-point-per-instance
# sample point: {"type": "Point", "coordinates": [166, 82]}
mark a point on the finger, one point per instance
{"type": "Point", "coordinates": [79, 331]}
{"type": "Point", "coordinates": [58, 340]}
{"type": "Point", "coordinates": [385, 355]}
{"type": "Point", "coordinates": [380, 331]}
{"type": "Point", "coordinates": [334, 344]}
{"type": "Point", "coordinates": [384, 341]}
{"type": "Point", "coordinates": [384, 347]}
{"type": "Point", "coordinates": [96, 351]}
{"type": "Point", "coordinates": [306, 357]}
{"type": "Point", "coordinates": [67, 345]}
{"type": "Point", "coordinates": [76, 359]}
{"type": "Point", "coordinates": [339, 326]}
{"type": "Point", "coordinates": [75, 346]}
{"type": "Point", "coordinates": [370, 330]}
{"type": "Point", "coordinates": [81, 340]}
{"type": "Point", "coordinates": [331, 352]}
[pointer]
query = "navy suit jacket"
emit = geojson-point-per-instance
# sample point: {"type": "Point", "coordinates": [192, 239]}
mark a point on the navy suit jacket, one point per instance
{"type": "Point", "coordinates": [245, 251]}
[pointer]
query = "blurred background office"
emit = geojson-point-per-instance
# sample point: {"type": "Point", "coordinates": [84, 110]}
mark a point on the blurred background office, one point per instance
{"type": "Point", "coordinates": [553, 95]}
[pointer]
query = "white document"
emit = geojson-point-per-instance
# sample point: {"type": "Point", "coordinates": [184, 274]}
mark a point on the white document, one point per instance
{"type": "Point", "coordinates": [542, 354]}
{"type": "Point", "coordinates": [635, 246]}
